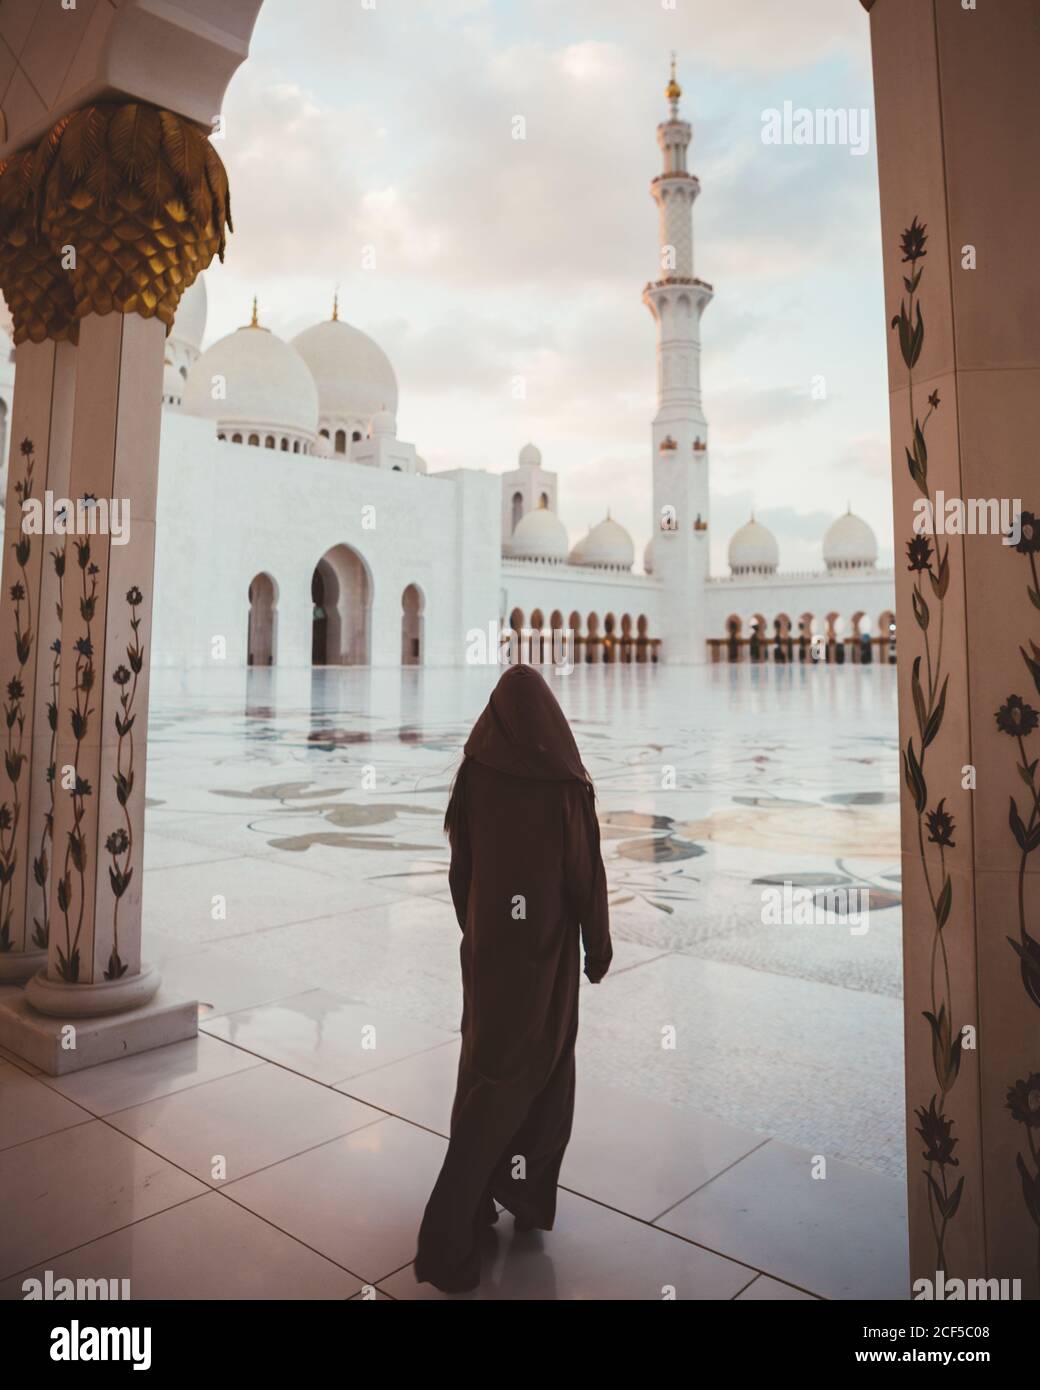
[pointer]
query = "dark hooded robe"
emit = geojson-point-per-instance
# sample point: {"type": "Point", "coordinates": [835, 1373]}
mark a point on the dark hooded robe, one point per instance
{"type": "Point", "coordinates": [527, 880]}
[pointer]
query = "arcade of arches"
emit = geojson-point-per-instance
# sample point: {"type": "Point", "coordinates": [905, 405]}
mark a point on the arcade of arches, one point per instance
{"type": "Point", "coordinates": [596, 641]}
{"type": "Point", "coordinates": [859, 642]}
{"type": "Point", "coordinates": [341, 608]}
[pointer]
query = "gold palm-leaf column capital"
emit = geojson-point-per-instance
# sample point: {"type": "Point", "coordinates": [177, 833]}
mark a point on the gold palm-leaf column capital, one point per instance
{"type": "Point", "coordinates": [37, 290]}
{"type": "Point", "coordinates": [141, 196]}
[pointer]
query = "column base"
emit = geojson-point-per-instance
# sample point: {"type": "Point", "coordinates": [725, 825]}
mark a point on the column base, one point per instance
{"type": "Point", "coordinates": [67, 1044]}
{"type": "Point", "coordinates": [18, 966]}
{"type": "Point", "coordinates": [61, 1000]}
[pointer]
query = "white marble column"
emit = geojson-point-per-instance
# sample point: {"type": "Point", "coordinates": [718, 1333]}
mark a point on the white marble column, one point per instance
{"type": "Point", "coordinates": [30, 598]}
{"type": "Point", "coordinates": [141, 229]}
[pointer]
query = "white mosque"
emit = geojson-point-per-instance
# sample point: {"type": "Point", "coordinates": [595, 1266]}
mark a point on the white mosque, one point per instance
{"type": "Point", "coordinates": [357, 555]}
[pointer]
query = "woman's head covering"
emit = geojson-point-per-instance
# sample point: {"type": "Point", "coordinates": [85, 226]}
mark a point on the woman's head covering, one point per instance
{"type": "Point", "coordinates": [524, 733]}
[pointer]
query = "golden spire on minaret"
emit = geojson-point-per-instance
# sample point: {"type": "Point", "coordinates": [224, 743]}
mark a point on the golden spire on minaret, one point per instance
{"type": "Point", "coordinates": [673, 91]}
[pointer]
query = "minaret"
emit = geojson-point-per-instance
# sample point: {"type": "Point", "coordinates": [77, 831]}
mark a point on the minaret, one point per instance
{"type": "Point", "coordinates": [680, 432]}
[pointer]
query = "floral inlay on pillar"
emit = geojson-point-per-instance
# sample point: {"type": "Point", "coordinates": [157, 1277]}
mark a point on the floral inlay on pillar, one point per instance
{"type": "Point", "coordinates": [1019, 721]}
{"type": "Point", "coordinates": [928, 685]}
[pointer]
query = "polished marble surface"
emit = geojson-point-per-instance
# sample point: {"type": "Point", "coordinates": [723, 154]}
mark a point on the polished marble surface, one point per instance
{"type": "Point", "coordinates": [204, 1248]}
{"type": "Point", "coordinates": [76, 1184]}
{"type": "Point", "coordinates": [320, 795]}
{"type": "Point", "coordinates": [841, 1235]}
{"type": "Point", "coordinates": [591, 1253]}
{"type": "Point", "coordinates": [306, 909]}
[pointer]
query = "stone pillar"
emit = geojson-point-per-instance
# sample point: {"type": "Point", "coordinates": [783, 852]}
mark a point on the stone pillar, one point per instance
{"type": "Point", "coordinates": [42, 308]}
{"type": "Point", "coordinates": [129, 203]}
{"type": "Point", "coordinates": [958, 149]}
{"type": "Point", "coordinates": [30, 605]}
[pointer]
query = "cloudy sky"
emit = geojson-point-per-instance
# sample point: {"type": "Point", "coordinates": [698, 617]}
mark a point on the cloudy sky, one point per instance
{"type": "Point", "coordinates": [388, 124]}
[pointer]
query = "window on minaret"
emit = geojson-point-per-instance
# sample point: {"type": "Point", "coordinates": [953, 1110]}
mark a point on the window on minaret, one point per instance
{"type": "Point", "coordinates": [545, 499]}
{"type": "Point", "coordinates": [518, 509]}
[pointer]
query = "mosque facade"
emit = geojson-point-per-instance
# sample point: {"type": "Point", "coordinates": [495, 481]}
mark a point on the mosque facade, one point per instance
{"type": "Point", "coordinates": [398, 565]}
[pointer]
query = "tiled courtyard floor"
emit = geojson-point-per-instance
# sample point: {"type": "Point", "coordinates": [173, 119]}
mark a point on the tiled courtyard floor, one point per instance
{"type": "Point", "coordinates": [296, 885]}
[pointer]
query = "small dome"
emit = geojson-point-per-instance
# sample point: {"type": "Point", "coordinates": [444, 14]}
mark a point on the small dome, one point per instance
{"type": "Point", "coordinates": [383, 422]}
{"type": "Point", "coordinates": [648, 556]}
{"type": "Point", "coordinates": [353, 373]}
{"type": "Point", "coordinates": [267, 385]}
{"type": "Point", "coordinates": [753, 550]}
{"type": "Point", "coordinates": [539, 535]}
{"type": "Point", "coordinates": [530, 456]}
{"type": "Point", "coordinates": [607, 546]}
{"type": "Point", "coordinates": [189, 325]}
{"type": "Point", "coordinates": [849, 543]}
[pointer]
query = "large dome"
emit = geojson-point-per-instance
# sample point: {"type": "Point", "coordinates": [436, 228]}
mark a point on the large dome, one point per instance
{"type": "Point", "coordinates": [353, 373]}
{"type": "Point", "coordinates": [849, 544]}
{"type": "Point", "coordinates": [607, 546]}
{"type": "Point", "coordinates": [753, 550]}
{"type": "Point", "coordinates": [540, 535]}
{"type": "Point", "coordinates": [189, 325]}
{"type": "Point", "coordinates": [268, 388]}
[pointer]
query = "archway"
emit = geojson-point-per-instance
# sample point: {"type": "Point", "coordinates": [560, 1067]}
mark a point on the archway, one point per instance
{"type": "Point", "coordinates": [537, 624]}
{"type": "Point", "coordinates": [413, 606]}
{"type": "Point", "coordinates": [341, 593]}
{"type": "Point", "coordinates": [263, 620]}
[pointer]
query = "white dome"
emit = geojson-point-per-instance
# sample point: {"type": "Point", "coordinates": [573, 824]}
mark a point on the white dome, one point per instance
{"type": "Point", "coordinates": [607, 546]}
{"type": "Point", "coordinates": [353, 373]}
{"type": "Point", "coordinates": [753, 550]}
{"type": "Point", "coordinates": [268, 386]}
{"type": "Point", "coordinates": [540, 535]}
{"type": "Point", "coordinates": [189, 325]}
{"type": "Point", "coordinates": [173, 384]}
{"type": "Point", "coordinates": [648, 556]}
{"type": "Point", "coordinates": [849, 543]}
{"type": "Point", "coordinates": [530, 456]}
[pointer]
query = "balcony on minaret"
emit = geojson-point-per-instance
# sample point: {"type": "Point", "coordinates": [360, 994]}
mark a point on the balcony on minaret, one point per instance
{"type": "Point", "coordinates": [667, 444]}
{"type": "Point", "coordinates": [700, 526]}
{"type": "Point", "coordinates": [699, 446]}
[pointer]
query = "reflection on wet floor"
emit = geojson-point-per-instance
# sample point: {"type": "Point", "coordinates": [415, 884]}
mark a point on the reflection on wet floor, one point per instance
{"type": "Point", "coordinates": [713, 785]}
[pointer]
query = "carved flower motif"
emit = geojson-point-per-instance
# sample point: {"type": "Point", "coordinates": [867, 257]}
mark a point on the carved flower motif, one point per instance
{"type": "Point", "coordinates": [1029, 538]}
{"type": "Point", "coordinates": [1023, 1100]}
{"type": "Point", "coordinates": [913, 240]}
{"type": "Point", "coordinates": [919, 553]}
{"type": "Point", "coordinates": [934, 1129]}
{"type": "Point", "coordinates": [1016, 717]}
{"type": "Point", "coordinates": [941, 827]}
{"type": "Point", "coordinates": [117, 842]}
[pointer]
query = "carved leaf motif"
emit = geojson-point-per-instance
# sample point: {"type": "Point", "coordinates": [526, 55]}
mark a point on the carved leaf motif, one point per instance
{"type": "Point", "coordinates": [133, 138]}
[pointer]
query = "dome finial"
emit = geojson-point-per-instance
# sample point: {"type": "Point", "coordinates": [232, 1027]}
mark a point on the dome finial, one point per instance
{"type": "Point", "coordinates": [254, 322]}
{"type": "Point", "coordinates": [335, 305]}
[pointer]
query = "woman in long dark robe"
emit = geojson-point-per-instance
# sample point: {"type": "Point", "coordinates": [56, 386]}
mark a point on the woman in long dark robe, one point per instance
{"type": "Point", "coordinates": [526, 879]}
